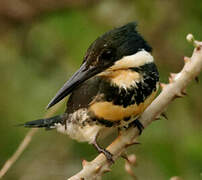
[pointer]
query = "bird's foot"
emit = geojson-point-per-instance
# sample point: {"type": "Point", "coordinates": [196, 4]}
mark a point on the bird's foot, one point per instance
{"type": "Point", "coordinates": [107, 154]}
{"type": "Point", "coordinates": [137, 124]}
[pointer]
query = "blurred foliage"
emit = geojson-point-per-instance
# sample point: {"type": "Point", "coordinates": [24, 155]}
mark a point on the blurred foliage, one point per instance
{"type": "Point", "coordinates": [37, 56]}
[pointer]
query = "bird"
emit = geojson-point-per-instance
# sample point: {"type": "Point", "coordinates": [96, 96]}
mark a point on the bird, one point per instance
{"type": "Point", "coordinates": [117, 80]}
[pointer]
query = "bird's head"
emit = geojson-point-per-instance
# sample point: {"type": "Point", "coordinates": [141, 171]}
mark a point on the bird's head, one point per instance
{"type": "Point", "coordinates": [120, 48]}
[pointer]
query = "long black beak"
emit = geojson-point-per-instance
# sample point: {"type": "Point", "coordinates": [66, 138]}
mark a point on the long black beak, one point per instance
{"type": "Point", "coordinates": [78, 77]}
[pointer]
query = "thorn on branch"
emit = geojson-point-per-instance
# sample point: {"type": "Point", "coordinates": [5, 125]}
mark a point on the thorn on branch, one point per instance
{"type": "Point", "coordinates": [129, 158]}
{"type": "Point", "coordinates": [106, 169]}
{"type": "Point", "coordinates": [124, 156]}
{"type": "Point", "coordinates": [163, 85]}
{"type": "Point", "coordinates": [170, 80]}
{"type": "Point", "coordinates": [181, 94]}
{"type": "Point", "coordinates": [157, 118]}
{"type": "Point", "coordinates": [197, 79]}
{"type": "Point", "coordinates": [85, 163]}
{"type": "Point", "coordinates": [97, 169]}
{"type": "Point", "coordinates": [186, 59]}
{"type": "Point", "coordinates": [172, 77]}
{"type": "Point", "coordinates": [164, 115]}
{"type": "Point", "coordinates": [184, 93]}
{"type": "Point", "coordinates": [131, 144]}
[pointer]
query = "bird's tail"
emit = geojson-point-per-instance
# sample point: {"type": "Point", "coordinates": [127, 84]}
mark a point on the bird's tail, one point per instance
{"type": "Point", "coordinates": [47, 123]}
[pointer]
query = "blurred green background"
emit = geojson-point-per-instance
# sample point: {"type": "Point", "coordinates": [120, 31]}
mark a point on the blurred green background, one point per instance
{"type": "Point", "coordinates": [43, 42]}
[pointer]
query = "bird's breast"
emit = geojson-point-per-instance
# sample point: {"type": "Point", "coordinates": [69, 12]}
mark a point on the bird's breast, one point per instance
{"type": "Point", "coordinates": [125, 94]}
{"type": "Point", "coordinates": [111, 112]}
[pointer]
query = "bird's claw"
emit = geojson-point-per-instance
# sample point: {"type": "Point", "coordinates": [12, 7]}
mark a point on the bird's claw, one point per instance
{"type": "Point", "coordinates": [108, 155]}
{"type": "Point", "coordinates": [137, 124]}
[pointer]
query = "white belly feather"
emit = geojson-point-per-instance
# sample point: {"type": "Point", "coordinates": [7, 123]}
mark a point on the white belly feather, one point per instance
{"type": "Point", "coordinates": [77, 127]}
{"type": "Point", "coordinates": [86, 133]}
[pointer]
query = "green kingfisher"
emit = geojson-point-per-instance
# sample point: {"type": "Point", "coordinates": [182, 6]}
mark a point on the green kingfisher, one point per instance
{"type": "Point", "coordinates": [115, 83]}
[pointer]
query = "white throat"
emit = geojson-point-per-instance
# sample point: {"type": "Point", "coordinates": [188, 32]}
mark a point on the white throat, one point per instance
{"type": "Point", "coordinates": [136, 60]}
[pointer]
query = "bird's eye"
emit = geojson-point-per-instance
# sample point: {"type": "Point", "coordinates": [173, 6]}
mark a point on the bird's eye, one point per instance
{"type": "Point", "coordinates": [106, 55]}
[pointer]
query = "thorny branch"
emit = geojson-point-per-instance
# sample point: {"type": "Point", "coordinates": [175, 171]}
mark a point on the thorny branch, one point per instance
{"type": "Point", "coordinates": [176, 88]}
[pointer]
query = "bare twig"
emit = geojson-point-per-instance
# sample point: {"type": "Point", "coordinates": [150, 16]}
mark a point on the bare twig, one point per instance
{"type": "Point", "coordinates": [176, 88]}
{"type": "Point", "coordinates": [23, 145]}
{"type": "Point", "coordinates": [131, 161]}
{"type": "Point", "coordinates": [25, 142]}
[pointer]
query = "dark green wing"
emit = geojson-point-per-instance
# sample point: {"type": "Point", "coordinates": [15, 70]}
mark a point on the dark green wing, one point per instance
{"type": "Point", "coordinates": [83, 95]}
